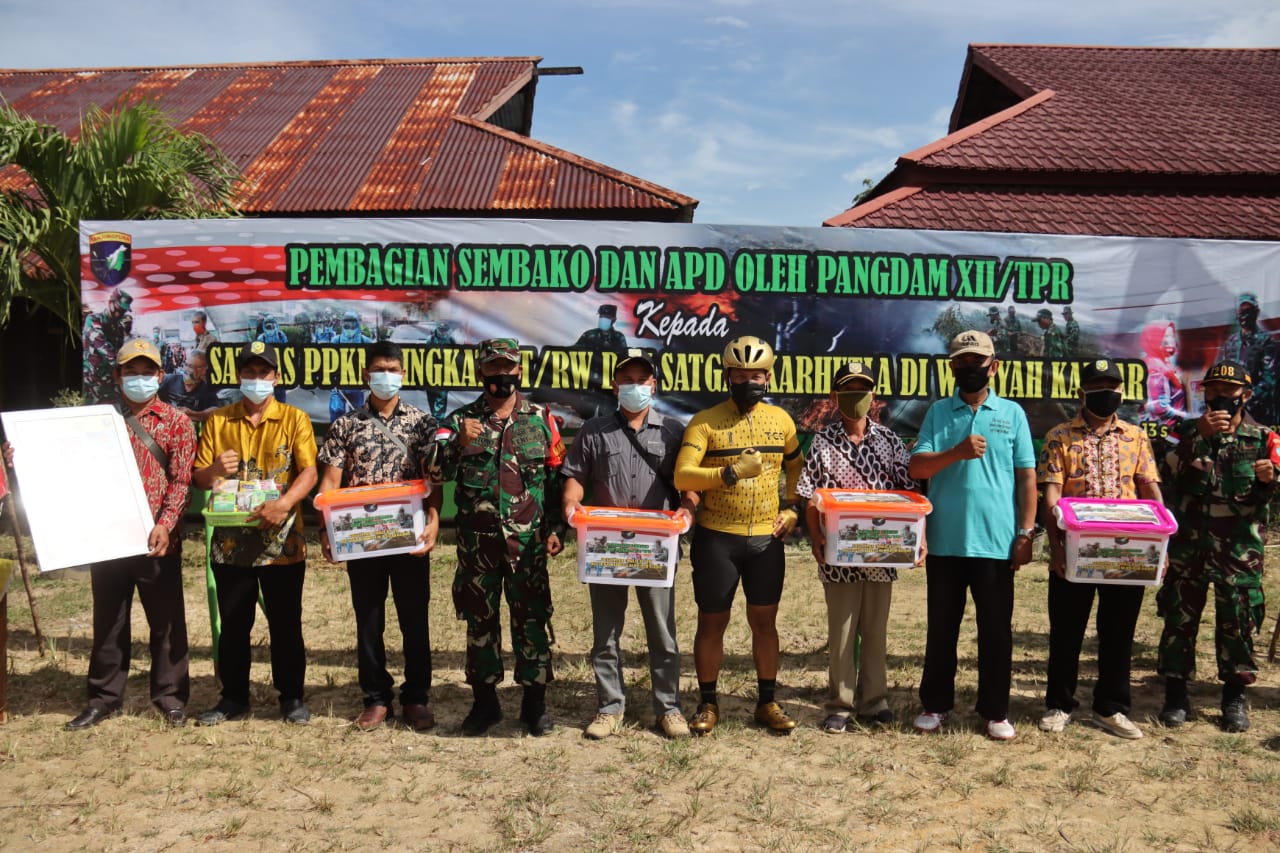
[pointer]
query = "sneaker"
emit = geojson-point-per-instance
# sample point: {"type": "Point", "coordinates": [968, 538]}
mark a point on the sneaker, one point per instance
{"type": "Point", "coordinates": [835, 724]}
{"type": "Point", "coordinates": [1173, 716]}
{"type": "Point", "coordinates": [1118, 724]}
{"type": "Point", "coordinates": [673, 725]}
{"type": "Point", "coordinates": [603, 726]}
{"type": "Point", "coordinates": [1054, 720]}
{"type": "Point", "coordinates": [931, 722]}
{"type": "Point", "coordinates": [1000, 730]}
{"type": "Point", "coordinates": [1235, 715]}
{"type": "Point", "coordinates": [883, 717]}
{"type": "Point", "coordinates": [771, 715]}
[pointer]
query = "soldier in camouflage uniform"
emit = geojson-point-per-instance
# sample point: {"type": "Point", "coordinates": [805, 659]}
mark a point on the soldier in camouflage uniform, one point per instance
{"type": "Point", "coordinates": [504, 453]}
{"type": "Point", "coordinates": [604, 338]}
{"type": "Point", "coordinates": [1258, 352]}
{"type": "Point", "coordinates": [103, 335]}
{"type": "Point", "coordinates": [996, 331]}
{"type": "Point", "coordinates": [1224, 474]}
{"type": "Point", "coordinates": [438, 400]}
{"type": "Point", "coordinates": [1012, 328]}
{"type": "Point", "coordinates": [1055, 346]}
{"type": "Point", "coordinates": [598, 398]}
{"type": "Point", "coordinates": [1071, 332]}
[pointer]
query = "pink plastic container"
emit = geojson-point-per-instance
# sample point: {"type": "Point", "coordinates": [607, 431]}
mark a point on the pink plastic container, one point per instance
{"type": "Point", "coordinates": [1115, 541]}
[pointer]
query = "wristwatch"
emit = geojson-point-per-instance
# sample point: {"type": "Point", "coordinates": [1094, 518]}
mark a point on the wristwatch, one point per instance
{"type": "Point", "coordinates": [1029, 532]}
{"type": "Point", "coordinates": [729, 475]}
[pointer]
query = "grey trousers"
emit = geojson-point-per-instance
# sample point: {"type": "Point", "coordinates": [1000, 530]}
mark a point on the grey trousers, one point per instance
{"type": "Point", "coordinates": [858, 610]}
{"type": "Point", "coordinates": [608, 614]}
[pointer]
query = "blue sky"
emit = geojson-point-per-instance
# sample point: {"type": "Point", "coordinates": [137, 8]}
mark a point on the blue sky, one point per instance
{"type": "Point", "coordinates": [770, 112]}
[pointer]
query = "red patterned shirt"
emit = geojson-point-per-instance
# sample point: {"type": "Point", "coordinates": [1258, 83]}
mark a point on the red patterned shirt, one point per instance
{"type": "Point", "coordinates": [1108, 463]}
{"type": "Point", "coordinates": [167, 491]}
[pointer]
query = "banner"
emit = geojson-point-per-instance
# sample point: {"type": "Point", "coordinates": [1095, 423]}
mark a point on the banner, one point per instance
{"type": "Point", "coordinates": [576, 294]}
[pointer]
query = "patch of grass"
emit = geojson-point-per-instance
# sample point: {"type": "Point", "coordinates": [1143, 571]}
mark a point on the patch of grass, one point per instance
{"type": "Point", "coordinates": [1251, 821]}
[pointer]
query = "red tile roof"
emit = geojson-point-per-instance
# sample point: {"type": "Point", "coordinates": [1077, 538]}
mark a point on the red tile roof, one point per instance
{"type": "Point", "coordinates": [370, 137]}
{"type": "Point", "coordinates": [1098, 140]}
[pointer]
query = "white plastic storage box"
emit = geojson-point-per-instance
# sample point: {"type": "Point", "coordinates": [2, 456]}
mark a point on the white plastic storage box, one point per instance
{"type": "Point", "coordinates": [872, 528]}
{"type": "Point", "coordinates": [1115, 541]}
{"type": "Point", "coordinates": [636, 547]}
{"type": "Point", "coordinates": [374, 521]}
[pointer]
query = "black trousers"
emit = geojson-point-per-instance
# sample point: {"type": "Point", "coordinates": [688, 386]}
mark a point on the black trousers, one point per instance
{"type": "Point", "coordinates": [991, 584]}
{"type": "Point", "coordinates": [1069, 607]}
{"type": "Point", "coordinates": [281, 588]}
{"type": "Point", "coordinates": [159, 586]}
{"type": "Point", "coordinates": [409, 578]}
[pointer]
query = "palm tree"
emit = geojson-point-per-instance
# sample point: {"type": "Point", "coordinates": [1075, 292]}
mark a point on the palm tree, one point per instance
{"type": "Point", "coordinates": [130, 162]}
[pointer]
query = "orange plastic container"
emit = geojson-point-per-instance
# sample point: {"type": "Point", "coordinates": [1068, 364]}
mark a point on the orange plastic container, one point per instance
{"type": "Point", "coordinates": [374, 521]}
{"type": "Point", "coordinates": [635, 547]}
{"type": "Point", "coordinates": [872, 528]}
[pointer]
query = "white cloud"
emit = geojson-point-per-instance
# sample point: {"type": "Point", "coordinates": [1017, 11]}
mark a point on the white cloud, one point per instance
{"type": "Point", "coordinates": [730, 21]}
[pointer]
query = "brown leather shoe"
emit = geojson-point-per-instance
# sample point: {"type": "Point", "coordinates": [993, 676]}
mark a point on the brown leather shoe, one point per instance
{"type": "Point", "coordinates": [705, 719]}
{"type": "Point", "coordinates": [418, 717]}
{"type": "Point", "coordinates": [372, 717]}
{"type": "Point", "coordinates": [770, 714]}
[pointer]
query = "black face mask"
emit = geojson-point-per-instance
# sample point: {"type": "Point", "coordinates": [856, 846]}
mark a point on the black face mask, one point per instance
{"type": "Point", "coordinates": [746, 394]}
{"type": "Point", "coordinates": [1103, 402]}
{"type": "Point", "coordinates": [501, 386]}
{"type": "Point", "coordinates": [1230, 405]}
{"type": "Point", "coordinates": [972, 379]}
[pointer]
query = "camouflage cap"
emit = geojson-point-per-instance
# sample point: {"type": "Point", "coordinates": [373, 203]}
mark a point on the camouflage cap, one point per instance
{"type": "Point", "coordinates": [258, 349]}
{"type": "Point", "coordinates": [1247, 298]}
{"type": "Point", "coordinates": [499, 348]}
{"type": "Point", "coordinates": [138, 348]}
{"type": "Point", "coordinates": [121, 297]}
{"type": "Point", "coordinates": [972, 341]}
{"type": "Point", "coordinates": [1231, 372]}
{"type": "Point", "coordinates": [1044, 314]}
{"type": "Point", "coordinates": [608, 310]}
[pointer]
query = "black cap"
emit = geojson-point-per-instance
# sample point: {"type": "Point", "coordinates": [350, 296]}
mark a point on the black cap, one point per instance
{"type": "Point", "coordinates": [607, 310]}
{"type": "Point", "coordinates": [1232, 372]}
{"type": "Point", "coordinates": [1102, 368]}
{"type": "Point", "coordinates": [258, 349]}
{"type": "Point", "coordinates": [634, 355]}
{"type": "Point", "coordinates": [852, 370]}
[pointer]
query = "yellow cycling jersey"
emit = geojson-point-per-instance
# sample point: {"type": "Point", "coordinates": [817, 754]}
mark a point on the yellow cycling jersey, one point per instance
{"type": "Point", "coordinates": [713, 439]}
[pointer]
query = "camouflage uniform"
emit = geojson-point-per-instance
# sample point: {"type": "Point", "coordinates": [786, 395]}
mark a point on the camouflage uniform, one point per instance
{"type": "Point", "coordinates": [508, 499]}
{"type": "Point", "coordinates": [1055, 345]}
{"type": "Point", "coordinates": [102, 337]}
{"type": "Point", "coordinates": [1012, 328]}
{"type": "Point", "coordinates": [1258, 352]}
{"type": "Point", "coordinates": [437, 400]}
{"type": "Point", "coordinates": [1221, 509]}
{"type": "Point", "coordinates": [602, 340]}
{"type": "Point", "coordinates": [1071, 333]}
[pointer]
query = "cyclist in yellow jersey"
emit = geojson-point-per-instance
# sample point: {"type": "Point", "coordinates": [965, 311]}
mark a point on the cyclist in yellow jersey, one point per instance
{"type": "Point", "coordinates": [733, 453]}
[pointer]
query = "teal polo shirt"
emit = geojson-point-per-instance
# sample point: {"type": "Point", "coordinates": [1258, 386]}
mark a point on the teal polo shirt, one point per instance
{"type": "Point", "coordinates": [974, 500]}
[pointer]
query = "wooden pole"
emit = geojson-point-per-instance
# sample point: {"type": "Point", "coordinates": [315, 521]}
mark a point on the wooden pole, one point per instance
{"type": "Point", "coordinates": [26, 578]}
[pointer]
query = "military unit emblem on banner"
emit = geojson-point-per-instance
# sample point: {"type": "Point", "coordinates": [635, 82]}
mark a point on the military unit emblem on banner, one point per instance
{"type": "Point", "coordinates": [110, 257]}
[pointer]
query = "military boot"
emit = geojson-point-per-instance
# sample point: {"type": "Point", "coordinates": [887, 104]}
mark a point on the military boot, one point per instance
{"type": "Point", "coordinates": [1235, 708]}
{"type": "Point", "coordinates": [1176, 705]}
{"type": "Point", "coordinates": [485, 711]}
{"type": "Point", "coordinates": [533, 710]}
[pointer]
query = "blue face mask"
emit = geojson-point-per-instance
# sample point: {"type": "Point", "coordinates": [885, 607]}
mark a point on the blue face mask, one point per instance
{"type": "Point", "coordinates": [140, 389]}
{"type": "Point", "coordinates": [635, 398]}
{"type": "Point", "coordinates": [604, 324]}
{"type": "Point", "coordinates": [256, 390]}
{"type": "Point", "coordinates": [385, 385]}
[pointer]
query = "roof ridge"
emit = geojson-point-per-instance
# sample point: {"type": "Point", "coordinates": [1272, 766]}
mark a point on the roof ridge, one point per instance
{"type": "Point", "coordinates": [977, 127]}
{"type": "Point", "coordinates": [290, 63]}
{"type": "Point", "coordinates": [1134, 47]}
{"type": "Point", "coordinates": [578, 160]}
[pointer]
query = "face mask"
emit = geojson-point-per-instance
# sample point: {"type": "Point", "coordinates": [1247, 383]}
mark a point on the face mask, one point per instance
{"type": "Point", "coordinates": [385, 385]}
{"type": "Point", "coordinates": [1230, 405]}
{"type": "Point", "coordinates": [972, 379]}
{"type": "Point", "coordinates": [256, 390]}
{"type": "Point", "coordinates": [501, 386]}
{"type": "Point", "coordinates": [746, 394]}
{"type": "Point", "coordinates": [854, 405]}
{"type": "Point", "coordinates": [140, 389]}
{"type": "Point", "coordinates": [604, 324]}
{"type": "Point", "coordinates": [635, 398]}
{"type": "Point", "coordinates": [1103, 402]}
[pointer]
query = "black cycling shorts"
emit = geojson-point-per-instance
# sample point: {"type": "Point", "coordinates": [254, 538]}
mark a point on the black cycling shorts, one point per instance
{"type": "Point", "coordinates": [721, 559]}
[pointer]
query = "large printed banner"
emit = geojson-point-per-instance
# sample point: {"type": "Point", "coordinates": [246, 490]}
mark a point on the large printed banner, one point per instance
{"type": "Point", "coordinates": [576, 294]}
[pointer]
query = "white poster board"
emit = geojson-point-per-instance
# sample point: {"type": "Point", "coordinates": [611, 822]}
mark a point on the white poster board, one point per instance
{"type": "Point", "coordinates": [80, 485]}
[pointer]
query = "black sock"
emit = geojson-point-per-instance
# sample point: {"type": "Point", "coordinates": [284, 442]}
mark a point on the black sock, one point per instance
{"type": "Point", "coordinates": [1175, 692]}
{"type": "Point", "coordinates": [707, 693]}
{"type": "Point", "coordinates": [767, 687]}
{"type": "Point", "coordinates": [1231, 691]}
{"type": "Point", "coordinates": [485, 695]}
